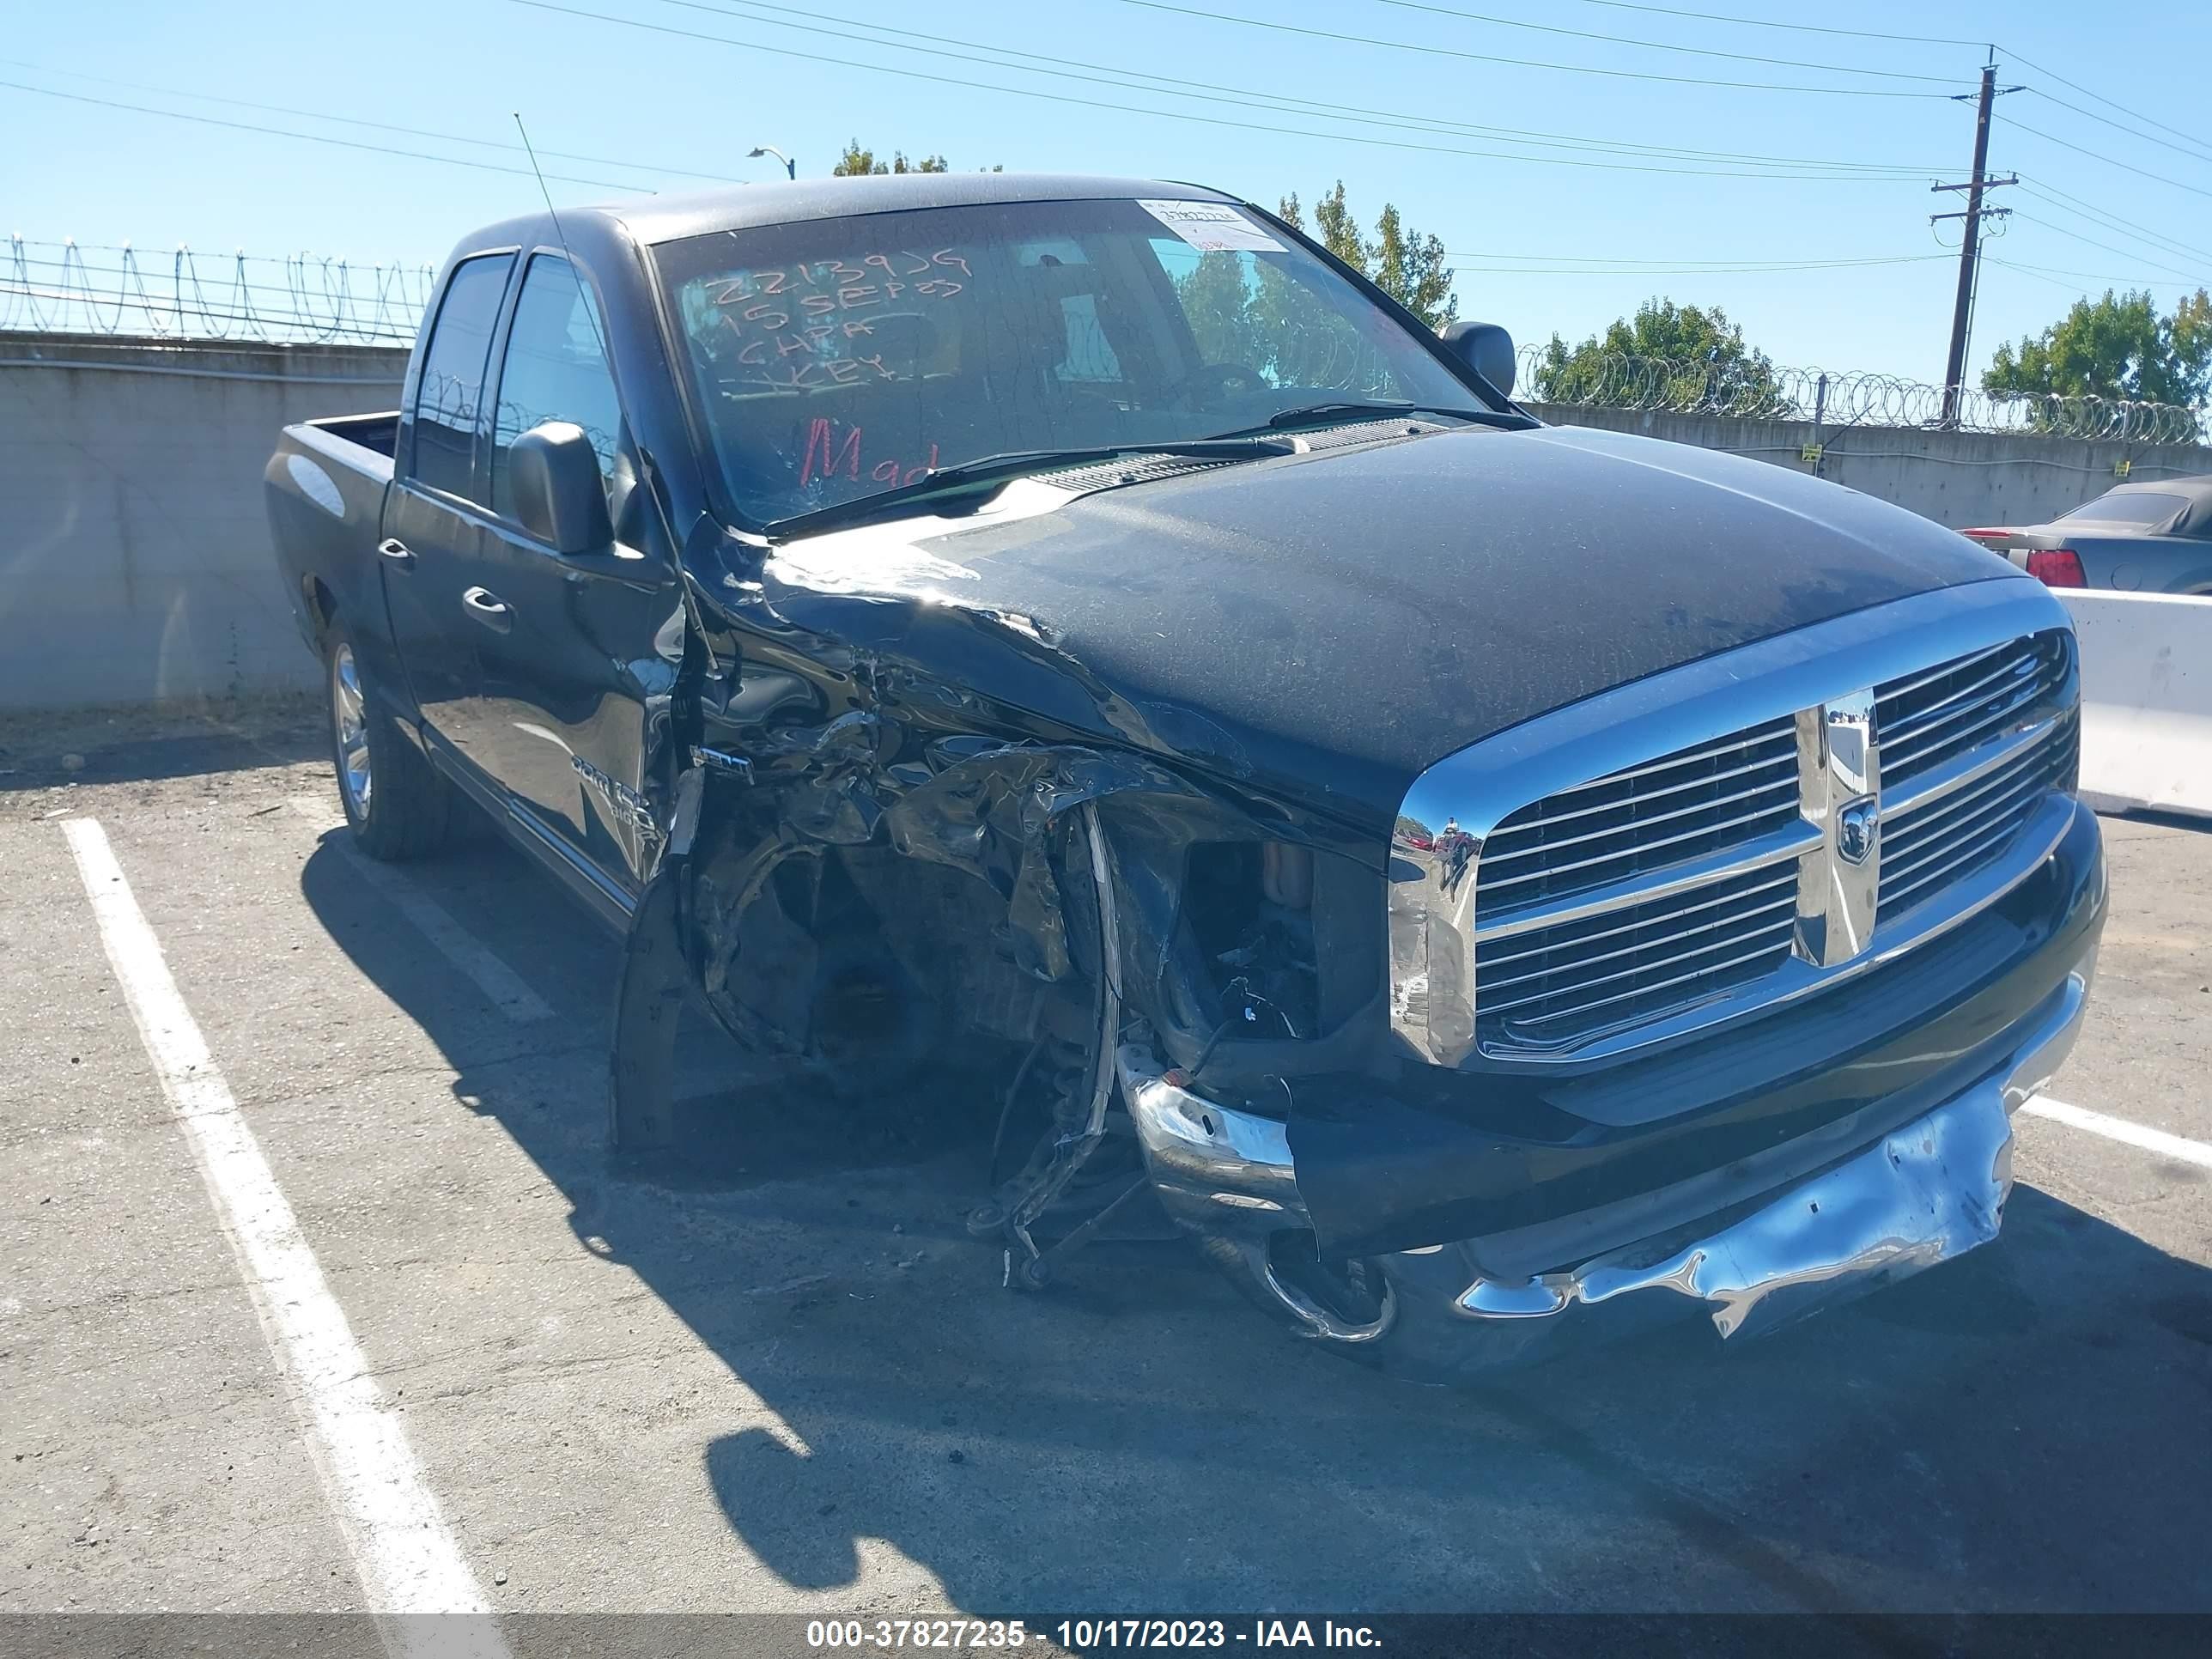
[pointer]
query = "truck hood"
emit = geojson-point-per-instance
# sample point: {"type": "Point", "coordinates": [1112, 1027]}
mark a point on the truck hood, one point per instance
{"type": "Point", "coordinates": [1323, 627]}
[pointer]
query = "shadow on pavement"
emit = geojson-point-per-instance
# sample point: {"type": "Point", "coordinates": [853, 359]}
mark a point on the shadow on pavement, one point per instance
{"type": "Point", "coordinates": [2196, 824]}
{"type": "Point", "coordinates": [38, 750]}
{"type": "Point", "coordinates": [2022, 1429]}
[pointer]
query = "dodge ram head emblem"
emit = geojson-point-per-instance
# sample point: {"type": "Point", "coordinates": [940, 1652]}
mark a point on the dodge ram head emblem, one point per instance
{"type": "Point", "coordinates": [1858, 826]}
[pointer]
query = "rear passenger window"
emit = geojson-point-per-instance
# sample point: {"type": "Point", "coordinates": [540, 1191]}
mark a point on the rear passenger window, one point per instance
{"type": "Point", "coordinates": [555, 370]}
{"type": "Point", "coordinates": [451, 390]}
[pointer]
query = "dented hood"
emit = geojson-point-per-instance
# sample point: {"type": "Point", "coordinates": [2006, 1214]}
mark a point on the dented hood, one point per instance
{"type": "Point", "coordinates": [1324, 626]}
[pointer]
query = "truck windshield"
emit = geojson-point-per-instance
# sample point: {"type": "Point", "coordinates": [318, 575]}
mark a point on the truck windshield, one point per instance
{"type": "Point", "coordinates": [834, 359]}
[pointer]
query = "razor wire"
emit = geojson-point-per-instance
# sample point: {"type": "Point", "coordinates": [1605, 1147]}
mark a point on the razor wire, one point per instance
{"type": "Point", "coordinates": [66, 288]}
{"type": "Point", "coordinates": [1754, 389]}
{"type": "Point", "coordinates": [123, 293]}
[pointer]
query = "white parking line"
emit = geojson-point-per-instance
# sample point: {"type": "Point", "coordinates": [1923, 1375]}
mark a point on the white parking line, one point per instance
{"type": "Point", "coordinates": [2119, 1128]}
{"type": "Point", "coordinates": [499, 982]}
{"type": "Point", "coordinates": [407, 1558]}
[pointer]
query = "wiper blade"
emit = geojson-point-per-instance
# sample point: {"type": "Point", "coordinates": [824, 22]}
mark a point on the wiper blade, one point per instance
{"type": "Point", "coordinates": [1014, 463]}
{"type": "Point", "coordinates": [1317, 414]}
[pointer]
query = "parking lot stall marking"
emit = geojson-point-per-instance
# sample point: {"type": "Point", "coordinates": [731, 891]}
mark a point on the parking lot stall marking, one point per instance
{"type": "Point", "coordinates": [500, 983]}
{"type": "Point", "coordinates": [2120, 1130]}
{"type": "Point", "coordinates": [408, 1560]}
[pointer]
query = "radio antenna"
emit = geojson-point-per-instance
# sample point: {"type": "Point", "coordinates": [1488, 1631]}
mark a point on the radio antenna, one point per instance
{"type": "Point", "coordinates": [591, 312]}
{"type": "Point", "coordinates": [644, 459]}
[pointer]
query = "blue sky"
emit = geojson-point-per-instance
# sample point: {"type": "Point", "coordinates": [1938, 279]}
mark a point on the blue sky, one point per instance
{"type": "Point", "coordinates": [1530, 233]}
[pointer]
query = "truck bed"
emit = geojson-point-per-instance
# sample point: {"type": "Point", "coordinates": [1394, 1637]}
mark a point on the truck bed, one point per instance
{"type": "Point", "coordinates": [378, 433]}
{"type": "Point", "coordinates": [325, 487]}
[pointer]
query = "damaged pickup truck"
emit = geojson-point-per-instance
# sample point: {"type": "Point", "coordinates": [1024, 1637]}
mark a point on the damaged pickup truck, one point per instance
{"type": "Point", "coordinates": [1072, 654]}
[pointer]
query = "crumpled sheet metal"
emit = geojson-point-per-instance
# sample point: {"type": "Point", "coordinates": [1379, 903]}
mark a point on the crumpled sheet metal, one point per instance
{"type": "Point", "coordinates": [993, 814]}
{"type": "Point", "coordinates": [1930, 1191]}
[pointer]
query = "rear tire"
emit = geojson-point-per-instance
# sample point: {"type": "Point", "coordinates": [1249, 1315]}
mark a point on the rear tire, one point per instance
{"type": "Point", "coordinates": [394, 801]}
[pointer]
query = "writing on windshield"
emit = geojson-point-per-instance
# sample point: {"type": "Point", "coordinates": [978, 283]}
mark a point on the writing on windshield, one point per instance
{"type": "Point", "coordinates": [832, 358]}
{"type": "Point", "coordinates": [799, 324]}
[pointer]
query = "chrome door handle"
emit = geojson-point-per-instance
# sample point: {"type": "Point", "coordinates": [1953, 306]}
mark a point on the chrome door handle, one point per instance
{"type": "Point", "coordinates": [488, 608]}
{"type": "Point", "coordinates": [395, 551]}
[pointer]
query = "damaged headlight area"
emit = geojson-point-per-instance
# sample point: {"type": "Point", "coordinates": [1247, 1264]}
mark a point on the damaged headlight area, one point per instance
{"type": "Point", "coordinates": [957, 944]}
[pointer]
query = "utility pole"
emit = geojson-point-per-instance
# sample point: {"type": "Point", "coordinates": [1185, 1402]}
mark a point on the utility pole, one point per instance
{"type": "Point", "coordinates": [1962, 311]}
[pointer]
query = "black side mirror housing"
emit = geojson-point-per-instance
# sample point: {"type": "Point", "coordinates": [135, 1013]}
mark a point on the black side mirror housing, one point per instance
{"type": "Point", "coordinates": [559, 496]}
{"type": "Point", "coordinates": [1485, 348]}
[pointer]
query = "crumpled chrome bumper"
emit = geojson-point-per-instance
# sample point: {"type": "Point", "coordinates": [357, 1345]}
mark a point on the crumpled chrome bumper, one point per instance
{"type": "Point", "coordinates": [1924, 1194]}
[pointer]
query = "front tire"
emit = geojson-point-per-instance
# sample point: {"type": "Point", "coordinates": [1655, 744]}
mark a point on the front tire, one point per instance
{"type": "Point", "coordinates": [395, 803]}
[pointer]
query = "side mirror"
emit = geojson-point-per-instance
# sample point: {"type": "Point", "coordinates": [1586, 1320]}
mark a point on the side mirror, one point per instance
{"type": "Point", "coordinates": [1485, 348]}
{"type": "Point", "coordinates": [559, 495]}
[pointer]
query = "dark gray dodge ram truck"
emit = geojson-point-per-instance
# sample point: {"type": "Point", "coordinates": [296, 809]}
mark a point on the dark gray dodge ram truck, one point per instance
{"type": "Point", "coordinates": [1069, 660]}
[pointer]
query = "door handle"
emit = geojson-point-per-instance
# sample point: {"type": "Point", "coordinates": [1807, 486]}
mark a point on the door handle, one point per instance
{"type": "Point", "coordinates": [397, 550]}
{"type": "Point", "coordinates": [488, 608]}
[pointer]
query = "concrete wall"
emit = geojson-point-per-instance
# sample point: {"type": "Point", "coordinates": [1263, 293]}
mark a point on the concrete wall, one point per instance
{"type": "Point", "coordinates": [135, 563]}
{"type": "Point", "coordinates": [136, 558]}
{"type": "Point", "coordinates": [2145, 699]}
{"type": "Point", "coordinates": [1956, 478]}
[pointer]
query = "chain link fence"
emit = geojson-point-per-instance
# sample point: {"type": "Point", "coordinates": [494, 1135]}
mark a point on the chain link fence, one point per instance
{"type": "Point", "coordinates": [1757, 390]}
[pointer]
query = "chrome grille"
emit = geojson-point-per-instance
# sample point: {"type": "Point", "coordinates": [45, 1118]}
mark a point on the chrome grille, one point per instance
{"type": "Point", "coordinates": [1925, 720]}
{"type": "Point", "coordinates": [1628, 822]}
{"type": "Point", "coordinates": [1552, 984]}
{"type": "Point", "coordinates": [1934, 842]}
{"type": "Point", "coordinates": [1831, 820]}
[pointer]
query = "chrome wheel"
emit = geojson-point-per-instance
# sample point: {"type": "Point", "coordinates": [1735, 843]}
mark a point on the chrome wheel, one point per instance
{"type": "Point", "coordinates": [350, 723]}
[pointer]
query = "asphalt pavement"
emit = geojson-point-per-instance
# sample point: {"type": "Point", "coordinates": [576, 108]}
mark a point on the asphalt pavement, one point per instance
{"type": "Point", "coordinates": [791, 1382]}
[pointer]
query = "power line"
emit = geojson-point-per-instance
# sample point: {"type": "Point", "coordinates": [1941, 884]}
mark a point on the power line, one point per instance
{"type": "Point", "coordinates": [2193, 153]}
{"type": "Point", "coordinates": [2108, 160]}
{"type": "Point", "coordinates": [2028, 272]}
{"type": "Point", "coordinates": [848, 63]}
{"type": "Point", "coordinates": [1800, 28]}
{"type": "Point", "coordinates": [356, 121]}
{"type": "Point", "coordinates": [2100, 97]}
{"type": "Point", "coordinates": [2201, 145]}
{"type": "Point", "coordinates": [1742, 263]}
{"type": "Point", "coordinates": [1762, 268]}
{"type": "Point", "coordinates": [2090, 276]}
{"type": "Point", "coordinates": [311, 137]}
{"type": "Point", "coordinates": [1520, 62]}
{"type": "Point", "coordinates": [1660, 45]}
{"type": "Point", "coordinates": [2037, 273]}
{"type": "Point", "coordinates": [2092, 242]}
{"type": "Point", "coordinates": [1065, 68]}
{"type": "Point", "coordinates": [2104, 219]}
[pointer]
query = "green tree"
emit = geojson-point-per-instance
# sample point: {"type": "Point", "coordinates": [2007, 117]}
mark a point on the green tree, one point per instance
{"type": "Point", "coordinates": [2118, 346]}
{"type": "Point", "coordinates": [1218, 306]}
{"type": "Point", "coordinates": [1411, 269]}
{"type": "Point", "coordinates": [1683, 356]}
{"type": "Point", "coordinates": [1403, 263]}
{"type": "Point", "coordinates": [858, 162]}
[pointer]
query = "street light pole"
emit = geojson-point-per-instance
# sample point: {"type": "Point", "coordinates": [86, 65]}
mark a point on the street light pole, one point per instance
{"type": "Point", "coordinates": [790, 166]}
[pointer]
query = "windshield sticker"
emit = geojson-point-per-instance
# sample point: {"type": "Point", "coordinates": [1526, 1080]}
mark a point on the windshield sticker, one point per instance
{"type": "Point", "coordinates": [1212, 227]}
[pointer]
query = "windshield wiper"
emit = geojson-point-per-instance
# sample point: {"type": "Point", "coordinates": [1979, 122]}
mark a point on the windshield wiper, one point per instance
{"type": "Point", "coordinates": [1318, 413]}
{"type": "Point", "coordinates": [1013, 463]}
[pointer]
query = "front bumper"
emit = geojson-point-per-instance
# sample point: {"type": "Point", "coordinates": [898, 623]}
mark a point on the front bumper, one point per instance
{"type": "Point", "coordinates": [1921, 1193]}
